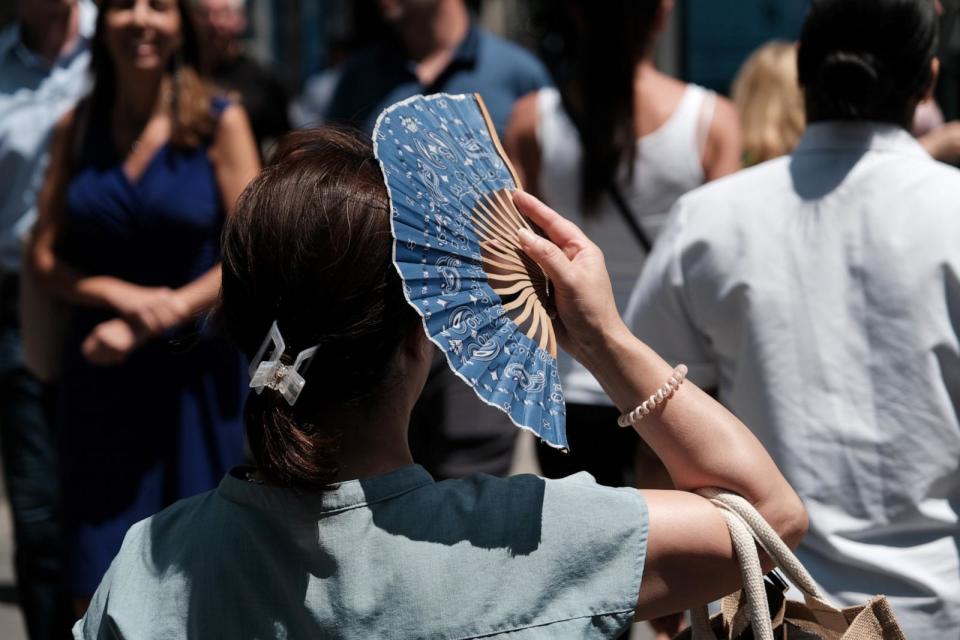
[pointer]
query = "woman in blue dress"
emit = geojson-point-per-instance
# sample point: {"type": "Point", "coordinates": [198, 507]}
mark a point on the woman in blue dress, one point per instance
{"type": "Point", "coordinates": [142, 175]}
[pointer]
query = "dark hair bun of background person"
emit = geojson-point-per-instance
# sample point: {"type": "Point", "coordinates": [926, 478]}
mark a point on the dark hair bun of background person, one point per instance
{"type": "Point", "coordinates": [310, 247]}
{"type": "Point", "coordinates": [866, 59]}
{"type": "Point", "coordinates": [854, 81]}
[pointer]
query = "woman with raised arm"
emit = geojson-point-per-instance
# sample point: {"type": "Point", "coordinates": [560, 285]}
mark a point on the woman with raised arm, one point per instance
{"type": "Point", "coordinates": [141, 178]}
{"type": "Point", "coordinates": [336, 533]}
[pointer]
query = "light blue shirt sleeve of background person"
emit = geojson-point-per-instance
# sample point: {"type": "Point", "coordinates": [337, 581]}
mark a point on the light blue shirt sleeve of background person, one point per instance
{"type": "Point", "coordinates": [33, 97]}
{"type": "Point", "coordinates": [396, 556]}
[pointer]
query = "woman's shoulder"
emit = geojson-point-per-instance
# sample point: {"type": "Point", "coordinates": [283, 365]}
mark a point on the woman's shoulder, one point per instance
{"type": "Point", "coordinates": [232, 125]}
{"type": "Point", "coordinates": [511, 497]}
{"type": "Point", "coordinates": [225, 110]}
{"type": "Point", "coordinates": [657, 88]}
{"type": "Point", "coordinates": [538, 118]}
{"type": "Point", "coordinates": [528, 109]}
{"type": "Point", "coordinates": [228, 113]}
{"type": "Point", "coordinates": [579, 546]}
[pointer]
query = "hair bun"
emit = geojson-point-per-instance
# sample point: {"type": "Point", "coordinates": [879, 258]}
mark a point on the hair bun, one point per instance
{"type": "Point", "coordinates": [854, 79]}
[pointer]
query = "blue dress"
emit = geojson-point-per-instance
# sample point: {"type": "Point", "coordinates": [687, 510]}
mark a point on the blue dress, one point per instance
{"type": "Point", "coordinates": [166, 424]}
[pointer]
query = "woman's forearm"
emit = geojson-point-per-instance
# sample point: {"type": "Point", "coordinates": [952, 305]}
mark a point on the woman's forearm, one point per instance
{"type": "Point", "coordinates": [70, 285]}
{"type": "Point", "coordinates": [700, 443]}
{"type": "Point", "coordinates": [201, 294]}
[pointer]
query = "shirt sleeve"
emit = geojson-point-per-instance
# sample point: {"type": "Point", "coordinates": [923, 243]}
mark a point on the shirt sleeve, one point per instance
{"type": "Point", "coordinates": [658, 311]}
{"type": "Point", "coordinates": [534, 75]}
{"type": "Point", "coordinates": [594, 539]}
{"type": "Point", "coordinates": [94, 624]}
{"type": "Point", "coordinates": [122, 585]}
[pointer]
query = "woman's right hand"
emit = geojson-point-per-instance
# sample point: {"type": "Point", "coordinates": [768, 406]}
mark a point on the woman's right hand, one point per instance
{"type": "Point", "coordinates": [578, 276]}
{"type": "Point", "coordinates": [690, 558]}
{"type": "Point", "coordinates": [111, 342]}
{"type": "Point", "coordinates": [150, 309]}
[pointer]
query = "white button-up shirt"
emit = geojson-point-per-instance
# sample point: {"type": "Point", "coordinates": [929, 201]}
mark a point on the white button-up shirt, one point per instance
{"type": "Point", "coordinates": [819, 294]}
{"type": "Point", "coordinates": [33, 96]}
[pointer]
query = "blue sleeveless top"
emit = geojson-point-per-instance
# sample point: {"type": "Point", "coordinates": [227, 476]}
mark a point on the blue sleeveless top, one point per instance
{"type": "Point", "coordinates": [165, 424]}
{"type": "Point", "coordinates": [162, 229]}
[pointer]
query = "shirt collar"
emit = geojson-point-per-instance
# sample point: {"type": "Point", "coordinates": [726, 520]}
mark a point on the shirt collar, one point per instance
{"type": "Point", "coordinates": [465, 55]}
{"type": "Point", "coordinates": [837, 135]}
{"type": "Point", "coordinates": [11, 43]}
{"type": "Point", "coordinates": [469, 49]}
{"type": "Point", "coordinates": [338, 497]}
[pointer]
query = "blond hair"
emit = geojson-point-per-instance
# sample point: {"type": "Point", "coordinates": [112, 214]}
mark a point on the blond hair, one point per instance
{"type": "Point", "coordinates": [770, 102]}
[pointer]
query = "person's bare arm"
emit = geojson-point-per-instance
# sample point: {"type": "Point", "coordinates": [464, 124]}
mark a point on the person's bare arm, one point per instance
{"type": "Point", "coordinates": [690, 557]}
{"type": "Point", "coordinates": [723, 152]}
{"type": "Point", "coordinates": [146, 310]}
{"type": "Point", "coordinates": [236, 162]}
{"type": "Point", "coordinates": [521, 142]}
{"type": "Point", "coordinates": [60, 277]}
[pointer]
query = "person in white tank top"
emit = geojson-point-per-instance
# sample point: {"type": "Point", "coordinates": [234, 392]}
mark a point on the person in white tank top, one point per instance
{"type": "Point", "coordinates": [617, 124]}
{"type": "Point", "coordinates": [675, 136]}
{"type": "Point", "coordinates": [667, 164]}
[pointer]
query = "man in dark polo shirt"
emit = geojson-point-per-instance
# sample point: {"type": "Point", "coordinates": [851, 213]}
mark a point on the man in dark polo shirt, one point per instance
{"type": "Point", "coordinates": [255, 86]}
{"type": "Point", "coordinates": [436, 48]}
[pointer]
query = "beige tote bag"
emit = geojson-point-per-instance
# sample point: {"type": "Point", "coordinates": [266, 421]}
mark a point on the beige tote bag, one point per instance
{"type": "Point", "coordinates": [764, 613]}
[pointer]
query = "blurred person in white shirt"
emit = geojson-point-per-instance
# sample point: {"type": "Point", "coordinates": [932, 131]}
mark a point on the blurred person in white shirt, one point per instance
{"type": "Point", "coordinates": [44, 57]}
{"type": "Point", "coordinates": [819, 295]}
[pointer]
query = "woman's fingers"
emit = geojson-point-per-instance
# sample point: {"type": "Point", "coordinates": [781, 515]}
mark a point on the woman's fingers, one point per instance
{"type": "Point", "coordinates": [561, 231]}
{"type": "Point", "coordinates": [98, 353]}
{"type": "Point", "coordinates": [109, 343]}
{"type": "Point", "coordinates": [548, 255]}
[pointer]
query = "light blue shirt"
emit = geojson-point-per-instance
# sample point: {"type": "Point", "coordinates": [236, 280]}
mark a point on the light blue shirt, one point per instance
{"type": "Point", "coordinates": [396, 556]}
{"type": "Point", "coordinates": [33, 97]}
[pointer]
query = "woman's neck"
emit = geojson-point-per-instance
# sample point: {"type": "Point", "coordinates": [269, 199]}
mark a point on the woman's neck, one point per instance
{"type": "Point", "coordinates": [433, 33]}
{"type": "Point", "coordinates": [139, 95]}
{"type": "Point", "coordinates": [645, 70]}
{"type": "Point", "coordinates": [373, 443]}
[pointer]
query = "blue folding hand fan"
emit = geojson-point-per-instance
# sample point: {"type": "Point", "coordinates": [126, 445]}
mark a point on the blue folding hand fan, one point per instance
{"type": "Point", "coordinates": [483, 301]}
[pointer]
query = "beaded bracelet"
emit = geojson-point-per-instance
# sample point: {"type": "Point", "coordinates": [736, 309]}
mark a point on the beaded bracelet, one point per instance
{"type": "Point", "coordinates": [632, 418]}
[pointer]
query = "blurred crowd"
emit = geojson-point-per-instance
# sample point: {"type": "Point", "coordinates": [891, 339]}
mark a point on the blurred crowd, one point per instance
{"type": "Point", "coordinates": [129, 129]}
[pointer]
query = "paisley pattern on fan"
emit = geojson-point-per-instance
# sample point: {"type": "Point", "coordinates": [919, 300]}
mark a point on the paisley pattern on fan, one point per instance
{"type": "Point", "coordinates": [482, 300]}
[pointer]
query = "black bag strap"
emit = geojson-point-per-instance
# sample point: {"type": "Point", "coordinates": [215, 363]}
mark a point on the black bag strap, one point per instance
{"type": "Point", "coordinates": [627, 214]}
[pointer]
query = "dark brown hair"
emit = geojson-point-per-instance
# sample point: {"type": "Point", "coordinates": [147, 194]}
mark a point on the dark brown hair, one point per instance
{"type": "Point", "coordinates": [867, 59]}
{"type": "Point", "coordinates": [614, 36]}
{"type": "Point", "coordinates": [193, 119]}
{"type": "Point", "coordinates": [310, 248]}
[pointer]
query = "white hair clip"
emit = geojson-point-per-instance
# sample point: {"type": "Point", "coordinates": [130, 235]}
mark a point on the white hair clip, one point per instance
{"type": "Point", "coordinates": [273, 374]}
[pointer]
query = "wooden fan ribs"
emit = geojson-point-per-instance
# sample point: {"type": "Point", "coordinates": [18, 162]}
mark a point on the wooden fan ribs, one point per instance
{"type": "Point", "coordinates": [513, 275]}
